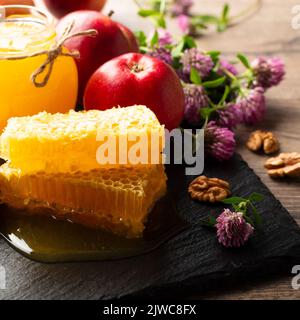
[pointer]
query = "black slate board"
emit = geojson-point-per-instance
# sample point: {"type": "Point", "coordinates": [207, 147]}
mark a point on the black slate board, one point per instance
{"type": "Point", "coordinates": [188, 263]}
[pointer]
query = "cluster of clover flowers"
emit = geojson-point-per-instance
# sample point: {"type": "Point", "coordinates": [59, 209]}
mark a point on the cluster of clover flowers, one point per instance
{"type": "Point", "coordinates": [218, 96]}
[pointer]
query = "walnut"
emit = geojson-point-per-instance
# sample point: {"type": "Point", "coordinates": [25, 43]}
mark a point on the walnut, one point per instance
{"type": "Point", "coordinates": [286, 164]}
{"type": "Point", "coordinates": [209, 189]}
{"type": "Point", "coordinates": [263, 140]}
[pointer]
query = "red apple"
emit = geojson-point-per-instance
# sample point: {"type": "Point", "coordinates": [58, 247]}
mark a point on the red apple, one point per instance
{"type": "Point", "coordinates": [110, 42]}
{"type": "Point", "coordinates": [60, 8]}
{"type": "Point", "coordinates": [133, 44]}
{"type": "Point", "coordinates": [134, 78]}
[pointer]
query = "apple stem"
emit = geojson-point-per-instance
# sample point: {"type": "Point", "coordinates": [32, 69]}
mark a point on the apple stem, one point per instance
{"type": "Point", "coordinates": [136, 68]}
{"type": "Point", "coordinates": [111, 13]}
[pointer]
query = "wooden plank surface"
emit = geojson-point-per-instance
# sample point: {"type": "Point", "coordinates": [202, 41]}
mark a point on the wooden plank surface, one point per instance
{"type": "Point", "coordinates": [268, 32]}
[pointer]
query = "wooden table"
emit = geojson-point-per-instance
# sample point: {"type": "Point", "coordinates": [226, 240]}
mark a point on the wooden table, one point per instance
{"type": "Point", "coordinates": [268, 32]}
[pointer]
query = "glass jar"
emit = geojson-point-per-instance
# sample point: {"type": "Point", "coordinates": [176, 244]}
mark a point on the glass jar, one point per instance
{"type": "Point", "coordinates": [24, 31]}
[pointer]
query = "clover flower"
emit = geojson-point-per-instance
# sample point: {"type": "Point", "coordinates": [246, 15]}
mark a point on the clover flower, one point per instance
{"type": "Point", "coordinates": [268, 72]}
{"type": "Point", "coordinates": [181, 7]}
{"type": "Point", "coordinates": [253, 105]}
{"type": "Point", "coordinates": [232, 229]}
{"type": "Point", "coordinates": [164, 37]}
{"type": "Point", "coordinates": [194, 58]}
{"type": "Point", "coordinates": [231, 116]}
{"type": "Point", "coordinates": [185, 25]}
{"type": "Point", "coordinates": [195, 99]}
{"type": "Point", "coordinates": [219, 141]}
{"type": "Point", "coordinates": [225, 65]}
{"type": "Point", "coordinates": [162, 54]}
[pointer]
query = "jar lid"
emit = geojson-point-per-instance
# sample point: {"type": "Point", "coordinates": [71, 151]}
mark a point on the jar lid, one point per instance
{"type": "Point", "coordinates": [24, 29]}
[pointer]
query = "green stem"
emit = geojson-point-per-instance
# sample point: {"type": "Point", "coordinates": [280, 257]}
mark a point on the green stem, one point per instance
{"type": "Point", "coordinates": [229, 74]}
{"type": "Point", "coordinates": [242, 92]}
{"type": "Point", "coordinates": [137, 4]}
{"type": "Point", "coordinates": [221, 107]}
{"type": "Point", "coordinates": [257, 217]}
{"type": "Point", "coordinates": [253, 8]}
{"type": "Point", "coordinates": [211, 104]}
{"type": "Point", "coordinates": [214, 108]}
{"type": "Point", "coordinates": [205, 123]}
{"type": "Point", "coordinates": [163, 6]}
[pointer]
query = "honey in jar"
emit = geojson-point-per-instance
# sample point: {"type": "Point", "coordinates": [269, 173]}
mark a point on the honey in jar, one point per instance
{"type": "Point", "coordinates": [24, 33]}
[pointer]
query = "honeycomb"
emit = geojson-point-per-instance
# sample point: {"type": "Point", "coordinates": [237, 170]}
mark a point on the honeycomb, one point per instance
{"type": "Point", "coordinates": [114, 199]}
{"type": "Point", "coordinates": [68, 142]}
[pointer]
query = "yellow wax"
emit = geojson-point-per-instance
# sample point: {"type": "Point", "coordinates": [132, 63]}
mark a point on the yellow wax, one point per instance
{"type": "Point", "coordinates": [18, 95]}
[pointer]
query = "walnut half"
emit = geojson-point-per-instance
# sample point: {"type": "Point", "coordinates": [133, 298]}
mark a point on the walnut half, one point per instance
{"type": "Point", "coordinates": [209, 189]}
{"type": "Point", "coordinates": [263, 140]}
{"type": "Point", "coordinates": [285, 165]}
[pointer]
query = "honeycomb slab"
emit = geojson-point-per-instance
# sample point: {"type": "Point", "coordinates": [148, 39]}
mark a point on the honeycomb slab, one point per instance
{"type": "Point", "coordinates": [70, 142]}
{"type": "Point", "coordinates": [115, 199]}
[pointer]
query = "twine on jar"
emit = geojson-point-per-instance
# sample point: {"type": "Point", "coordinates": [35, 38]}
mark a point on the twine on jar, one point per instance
{"type": "Point", "coordinates": [53, 53]}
